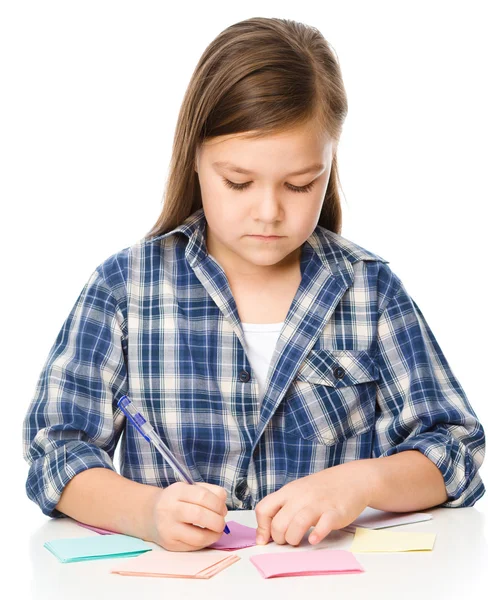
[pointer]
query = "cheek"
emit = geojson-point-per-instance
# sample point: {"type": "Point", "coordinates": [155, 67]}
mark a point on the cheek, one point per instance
{"type": "Point", "coordinates": [315, 207]}
{"type": "Point", "coordinates": [225, 223]}
{"type": "Point", "coordinates": [305, 220]}
{"type": "Point", "coordinates": [214, 195]}
{"type": "Point", "coordinates": [224, 209]}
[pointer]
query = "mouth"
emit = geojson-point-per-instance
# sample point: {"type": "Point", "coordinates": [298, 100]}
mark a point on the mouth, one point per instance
{"type": "Point", "coordinates": [267, 237]}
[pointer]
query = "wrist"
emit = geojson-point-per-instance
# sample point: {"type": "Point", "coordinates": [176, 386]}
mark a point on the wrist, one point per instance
{"type": "Point", "coordinates": [366, 475]}
{"type": "Point", "coordinates": [148, 512]}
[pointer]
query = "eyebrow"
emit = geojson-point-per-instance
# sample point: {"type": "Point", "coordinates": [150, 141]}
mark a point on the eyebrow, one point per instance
{"type": "Point", "coordinates": [236, 169]}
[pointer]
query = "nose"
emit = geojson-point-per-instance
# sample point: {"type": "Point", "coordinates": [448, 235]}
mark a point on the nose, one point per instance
{"type": "Point", "coordinates": [268, 207]}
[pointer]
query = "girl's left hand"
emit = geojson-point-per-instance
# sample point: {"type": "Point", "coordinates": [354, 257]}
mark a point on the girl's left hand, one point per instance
{"type": "Point", "coordinates": [328, 500]}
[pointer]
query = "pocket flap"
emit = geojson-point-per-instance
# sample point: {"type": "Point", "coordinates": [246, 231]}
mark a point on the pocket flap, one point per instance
{"type": "Point", "coordinates": [338, 368]}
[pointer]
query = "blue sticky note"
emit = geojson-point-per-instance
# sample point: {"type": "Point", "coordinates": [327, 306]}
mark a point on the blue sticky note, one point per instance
{"type": "Point", "coordinates": [94, 547]}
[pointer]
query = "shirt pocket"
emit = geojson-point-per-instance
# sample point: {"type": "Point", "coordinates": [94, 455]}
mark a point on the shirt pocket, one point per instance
{"type": "Point", "coordinates": [333, 396]}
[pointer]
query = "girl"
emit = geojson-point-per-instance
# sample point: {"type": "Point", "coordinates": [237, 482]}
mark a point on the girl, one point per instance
{"type": "Point", "coordinates": [286, 366]}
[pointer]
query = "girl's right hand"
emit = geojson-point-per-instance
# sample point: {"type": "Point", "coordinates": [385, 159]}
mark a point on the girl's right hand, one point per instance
{"type": "Point", "coordinates": [186, 517]}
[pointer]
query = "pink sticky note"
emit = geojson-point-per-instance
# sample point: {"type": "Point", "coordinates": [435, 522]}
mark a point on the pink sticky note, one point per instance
{"type": "Point", "coordinates": [97, 529]}
{"type": "Point", "coordinates": [306, 562]}
{"type": "Point", "coordinates": [240, 536]}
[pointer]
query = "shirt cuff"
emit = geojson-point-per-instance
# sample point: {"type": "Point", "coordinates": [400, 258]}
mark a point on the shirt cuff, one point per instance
{"type": "Point", "coordinates": [49, 474]}
{"type": "Point", "coordinates": [460, 472]}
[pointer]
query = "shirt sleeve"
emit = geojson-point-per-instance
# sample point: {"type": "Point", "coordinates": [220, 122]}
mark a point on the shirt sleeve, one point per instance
{"type": "Point", "coordinates": [421, 406]}
{"type": "Point", "coordinates": [70, 425]}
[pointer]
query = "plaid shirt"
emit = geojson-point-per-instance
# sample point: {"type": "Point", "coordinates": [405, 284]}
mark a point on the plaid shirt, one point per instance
{"type": "Point", "coordinates": [356, 373]}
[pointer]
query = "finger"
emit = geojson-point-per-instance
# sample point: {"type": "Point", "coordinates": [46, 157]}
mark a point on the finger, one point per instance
{"type": "Point", "coordinates": [329, 520]}
{"type": "Point", "coordinates": [194, 537]}
{"type": "Point", "coordinates": [219, 491]}
{"type": "Point", "coordinates": [196, 514]}
{"type": "Point", "coordinates": [203, 495]}
{"type": "Point", "coordinates": [282, 521]}
{"type": "Point", "coordinates": [292, 530]}
{"type": "Point", "coordinates": [265, 510]}
{"type": "Point", "coordinates": [216, 489]}
{"type": "Point", "coordinates": [179, 546]}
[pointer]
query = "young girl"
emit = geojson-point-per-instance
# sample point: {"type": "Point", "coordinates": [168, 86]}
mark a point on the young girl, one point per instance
{"type": "Point", "coordinates": [287, 367]}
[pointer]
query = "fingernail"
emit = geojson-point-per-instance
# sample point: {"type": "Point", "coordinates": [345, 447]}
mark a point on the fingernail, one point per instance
{"type": "Point", "coordinates": [260, 539]}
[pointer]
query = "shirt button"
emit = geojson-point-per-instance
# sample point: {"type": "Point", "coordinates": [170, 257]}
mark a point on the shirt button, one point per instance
{"type": "Point", "coordinates": [244, 376]}
{"type": "Point", "coordinates": [339, 372]}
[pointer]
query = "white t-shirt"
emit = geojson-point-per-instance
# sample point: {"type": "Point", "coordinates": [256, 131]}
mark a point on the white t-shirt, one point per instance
{"type": "Point", "coordinates": [261, 341]}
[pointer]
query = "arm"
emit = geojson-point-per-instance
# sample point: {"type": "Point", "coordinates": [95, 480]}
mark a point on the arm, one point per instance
{"type": "Point", "coordinates": [333, 498]}
{"type": "Point", "coordinates": [103, 498]}
{"type": "Point", "coordinates": [403, 482]}
{"type": "Point", "coordinates": [180, 517]}
{"type": "Point", "coordinates": [73, 423]}
{"type": "Point", "coordinates": [428, 444]}
{"type": "Point", "coordinates": [421, 407]}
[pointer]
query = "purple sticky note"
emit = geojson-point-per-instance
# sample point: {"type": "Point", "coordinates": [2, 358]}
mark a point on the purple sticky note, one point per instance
{"type": "Point", "coordinates": [240, 536]}
{"type": "Point", "coordinates": [97, 529]}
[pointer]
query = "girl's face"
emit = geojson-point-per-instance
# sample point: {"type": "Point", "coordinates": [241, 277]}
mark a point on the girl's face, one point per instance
{"type": "Point", "coordinates": [273, 199]}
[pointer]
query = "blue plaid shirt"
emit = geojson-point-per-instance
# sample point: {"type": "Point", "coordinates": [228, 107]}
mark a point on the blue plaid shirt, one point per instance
{"type": "Point", "coordinates": [356, 373]}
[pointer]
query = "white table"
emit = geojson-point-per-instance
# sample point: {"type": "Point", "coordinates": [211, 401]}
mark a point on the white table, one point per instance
{"type": "Point", "coordinates": [456, 568]}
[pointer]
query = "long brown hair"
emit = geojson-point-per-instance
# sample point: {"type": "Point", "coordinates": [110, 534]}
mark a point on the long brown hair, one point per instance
{"type": "Point", "coordinates": [264, 75]}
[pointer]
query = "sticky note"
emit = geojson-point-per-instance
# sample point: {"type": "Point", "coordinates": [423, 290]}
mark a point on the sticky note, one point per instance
{"type": "Point", "coordinates": [95, 547]}
{"type": "Point", "coordinates": [99, 530]}
{"type": "Point", "coordinates": [373, 518]}
{"type": "Point", "coordinates": [240, 536]}
{"type": "Point", "coordinates": [198, 564]}
{"type": "Point", "coordinates": [373, 540]}
{"type": "Point", "coordinates": [306, 562]}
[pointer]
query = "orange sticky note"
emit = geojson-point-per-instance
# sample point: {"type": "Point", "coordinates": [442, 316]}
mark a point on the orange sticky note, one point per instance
{"type": "Point", "coordinates": [200, 564]}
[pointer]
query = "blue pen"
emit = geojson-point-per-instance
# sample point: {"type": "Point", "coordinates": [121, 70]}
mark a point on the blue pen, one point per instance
{"type": "Point", "coordinates": [147, 431]}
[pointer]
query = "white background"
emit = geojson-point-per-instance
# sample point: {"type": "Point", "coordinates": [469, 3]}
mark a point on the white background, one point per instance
{"type": "Point", "coordinates": [90, 93]}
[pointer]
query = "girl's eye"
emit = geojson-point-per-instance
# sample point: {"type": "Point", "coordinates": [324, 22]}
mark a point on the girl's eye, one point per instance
{"type": "Point", "coordinates": [243, 186]}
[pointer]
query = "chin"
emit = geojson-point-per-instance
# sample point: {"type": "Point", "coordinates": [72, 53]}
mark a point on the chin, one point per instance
{"type": "Point", "coordinates": [265, 261]}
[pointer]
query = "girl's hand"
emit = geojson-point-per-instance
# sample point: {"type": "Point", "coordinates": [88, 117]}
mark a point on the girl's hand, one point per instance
{"type": "Point", "coordinates": [187, 517]}
{"type": "Point", "coordinates": [329, 499]}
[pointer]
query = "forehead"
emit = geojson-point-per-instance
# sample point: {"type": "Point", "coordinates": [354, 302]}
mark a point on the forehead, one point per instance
{"type": "Point", "coordinates": [227, 150]}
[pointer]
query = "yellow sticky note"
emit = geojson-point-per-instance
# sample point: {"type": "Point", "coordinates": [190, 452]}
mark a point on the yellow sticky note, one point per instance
{"type": "Point", "coordinates": [373, 540]}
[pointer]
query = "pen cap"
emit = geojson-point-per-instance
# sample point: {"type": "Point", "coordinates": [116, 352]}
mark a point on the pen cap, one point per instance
{"type": "Point", "coordinates": [134, 417]}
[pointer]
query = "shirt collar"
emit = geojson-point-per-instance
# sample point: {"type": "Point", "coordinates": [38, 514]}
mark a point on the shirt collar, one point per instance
{"type": "Point", "coordinates": [335, 252]}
